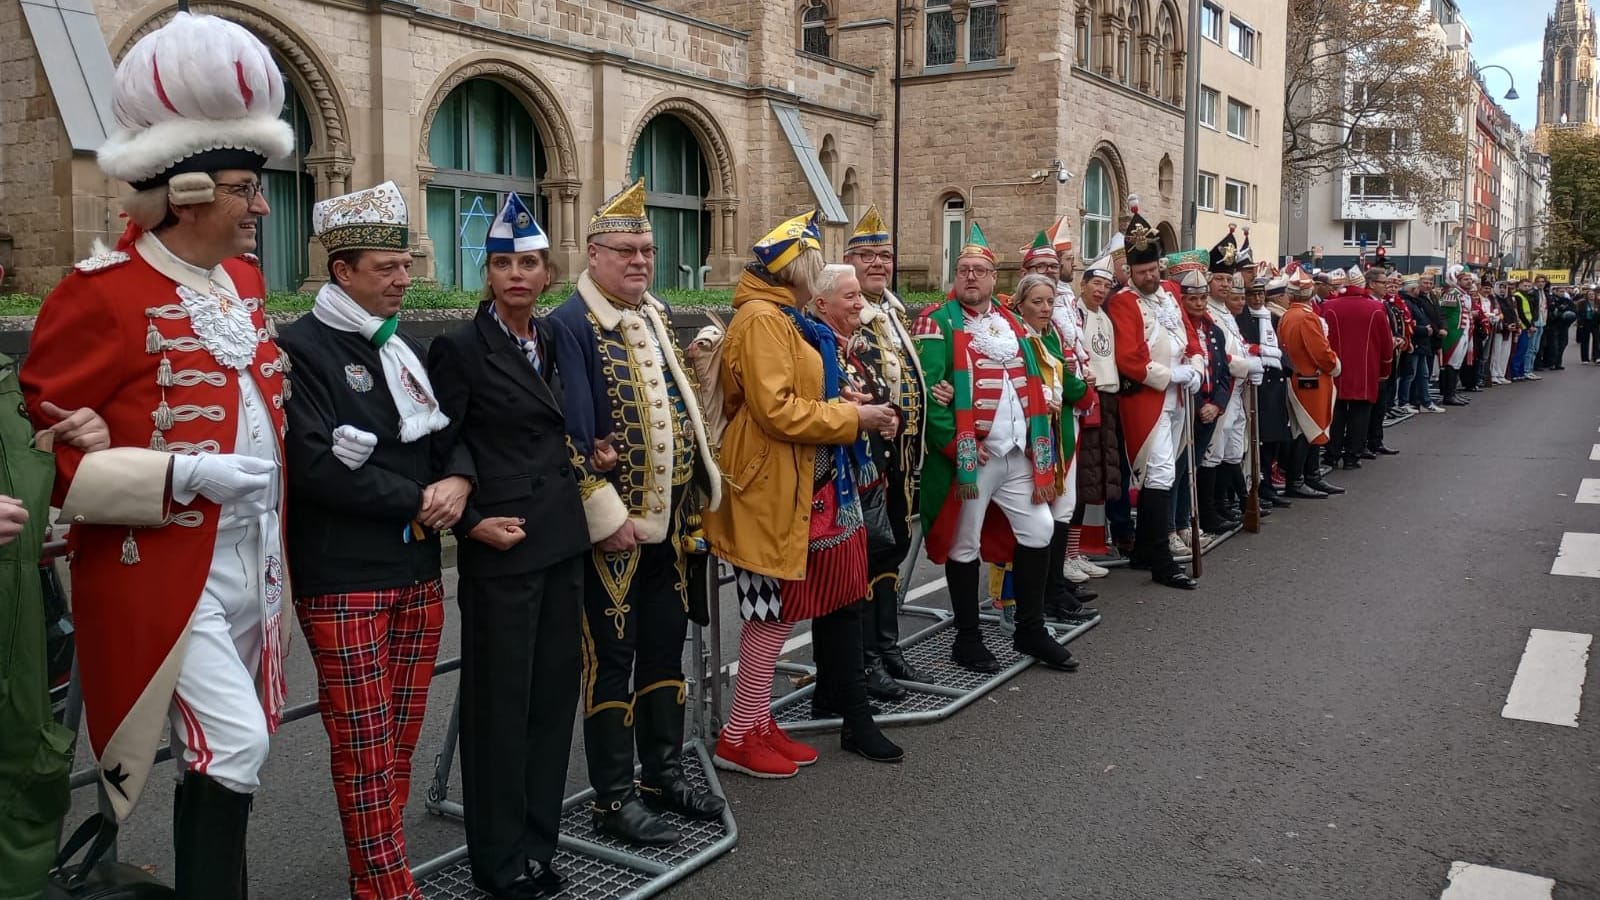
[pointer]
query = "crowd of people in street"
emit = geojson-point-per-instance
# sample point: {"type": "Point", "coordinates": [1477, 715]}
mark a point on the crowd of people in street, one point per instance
{"type": "Point", "coordinates": [219, 475]}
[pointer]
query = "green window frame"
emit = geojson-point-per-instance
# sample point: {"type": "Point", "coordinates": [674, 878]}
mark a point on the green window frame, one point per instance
{"type": "Point", "coordinates": [667, 155]}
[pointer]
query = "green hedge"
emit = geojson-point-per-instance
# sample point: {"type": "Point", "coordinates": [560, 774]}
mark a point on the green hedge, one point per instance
{"type": "Point", "coordinates": [433, 297]}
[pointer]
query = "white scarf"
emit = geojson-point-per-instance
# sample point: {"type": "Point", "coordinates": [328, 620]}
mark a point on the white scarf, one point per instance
{"type": "Point", "coordinates": [403, 373]}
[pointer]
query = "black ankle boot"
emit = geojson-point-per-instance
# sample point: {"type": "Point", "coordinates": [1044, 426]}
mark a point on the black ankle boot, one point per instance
{"type": "Point", "coordinates": [864, 738]}
{"type": "Point", "coordinates": [968, 651]}
{"type": "Point", "coordinates": [209, 826]}
{"type": "Point", "coordinates": [658, 732]}
{"type": "Point", "coordinates": [617, 809]}
{"type": "Point", "coordinates": [1029, 571]}
{"type": "Point", "coordinates": [1154, 511]}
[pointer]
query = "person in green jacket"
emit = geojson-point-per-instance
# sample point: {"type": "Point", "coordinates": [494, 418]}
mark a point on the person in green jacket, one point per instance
{"type": "Point", "coordinates": [35, 751]}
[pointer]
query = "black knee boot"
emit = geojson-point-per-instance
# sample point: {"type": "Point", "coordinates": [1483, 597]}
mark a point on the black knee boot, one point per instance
{"type": "Point", "coordinates": [658, 732]}
{"type": "Point", "coordinates": [1029, 572]}
{"type": "Point", "coordinates": [1155, 509]}
{"type": "Point", "coordinates": [209, 825]}
{"type": "Point", "coordinates": [968, 651]}
{"type": "Point", "coordinates": [886, 617]}
{"type": "Point", "coordinates": [874, 657]}
{"type": "Point", "coordinates": [617, 809]}
{"type": "Point", "coordinates": [836, 640]}
{"type": "Point", "coordinates": [1206, 494]}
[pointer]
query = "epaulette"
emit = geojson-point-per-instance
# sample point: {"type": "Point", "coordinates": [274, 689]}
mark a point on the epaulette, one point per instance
{"type": "Point", "coordinates": [99, 262]}
{"type": "Point", "coordinates": [251, 258]}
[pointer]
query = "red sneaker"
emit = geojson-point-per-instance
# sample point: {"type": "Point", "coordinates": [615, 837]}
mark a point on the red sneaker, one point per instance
{"type": "Point", "coordinates": [754, 757]}
{"type": "Point", "coordinates": [779, 740]}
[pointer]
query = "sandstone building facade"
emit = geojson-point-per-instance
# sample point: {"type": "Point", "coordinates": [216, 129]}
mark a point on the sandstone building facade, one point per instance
{"type": "Point", "coordinates": [737, 112]}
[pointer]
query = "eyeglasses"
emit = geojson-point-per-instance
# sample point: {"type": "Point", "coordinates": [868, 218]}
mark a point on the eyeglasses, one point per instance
{"type": "Point", "coordinates": [628, 252]}
{"type": "Point", "coordinates": [974, 272]}
{"type": "Point", "coordinates": [883, 257]}
{"type": "Point", "coordinates": [247, 191]}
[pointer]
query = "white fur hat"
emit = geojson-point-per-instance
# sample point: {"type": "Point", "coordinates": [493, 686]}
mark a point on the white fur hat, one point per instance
{"type": "Point", "coordinates": [196, 95]}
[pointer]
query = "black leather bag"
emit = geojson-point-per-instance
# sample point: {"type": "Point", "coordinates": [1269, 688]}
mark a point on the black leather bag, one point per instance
{"type": "Point", "coordinates": [875, 516]}
{"type": "Point", "coordinates": [94, 879]}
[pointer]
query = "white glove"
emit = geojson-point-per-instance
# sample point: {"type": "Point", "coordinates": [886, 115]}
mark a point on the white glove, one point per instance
{"type": "Point", "coordinates": [1270, 352]}
{"type": "Point", "coordinates": [1272, 362]}
{"type": "Point", "coordinates": [1183, 373]}
{"type": "Point", "coordinates": [1255, 376]}
{"type": "Point", "coordinates": [221, 477]}
{"type": "Point", "coordinates": [1255, 365]}
{"type": "Point", "coordinates": [352, 446]}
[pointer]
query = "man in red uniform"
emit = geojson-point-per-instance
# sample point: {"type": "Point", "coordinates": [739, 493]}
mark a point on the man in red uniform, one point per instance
{"type": "Point", "coordinates": [178, 573]}
{"type": "Point", "coordinates": [1360, 334]}
{"type": "Point", "coordinates": [1157, 359]}
{"type": "Point", "coordinates": [1313, 366]}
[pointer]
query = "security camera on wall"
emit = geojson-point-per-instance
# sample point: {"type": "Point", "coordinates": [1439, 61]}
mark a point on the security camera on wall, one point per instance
{"type": "Point", "coordinates": [1063, 176]}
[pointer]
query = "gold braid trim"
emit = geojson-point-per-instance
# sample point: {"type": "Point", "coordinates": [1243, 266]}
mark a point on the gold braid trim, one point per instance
{"type": "Point", "coordinates": [591, 665]}
{"type": "Point", "coordinates": [683, 689]}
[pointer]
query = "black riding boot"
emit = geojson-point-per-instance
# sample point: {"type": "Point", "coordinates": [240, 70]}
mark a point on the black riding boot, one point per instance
{"type": "Point", "coordinates": [1063, 600]}
{"type": "Point", "coordinates": [658, 732]}
{"type": "Point", "coordinates": [874, 662]}
{"type": "Point", "coordinates": [968, 651]}
{"type": "Point", "coordinates": [1029, 574]}
{"type": "Point", "coordinates": [1206, 493]}
{"type": "Point", "coordinates": [1155, 511]}
{"type": "Point", "coordinates": [617, 809]}
{"type": "Point", "coordinates": [836, 641]}
{"type": "Point", "coordinates": [209, 824]}
{"type": "Point", "coordinates": [885, 616]}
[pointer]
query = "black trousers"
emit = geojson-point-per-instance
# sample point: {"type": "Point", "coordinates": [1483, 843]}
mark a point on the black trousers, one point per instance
{"type": "Point", "coordinates": [1298, 461]}
{"type": "Point", "coordinates": [1349, 438]}
{"type": "Point", "coordinates": [1589, 343]}
{"type": "Point", "coordinates": [1386, 390]}
{"type": "Point", "coordinates": [1447, 381]}
{"type": "Point", "coordinates": [519, 687]}
{"type": "Point", "coordinates": [1558, 349]}
{"type": "Point", "coordinates": [632, 644]}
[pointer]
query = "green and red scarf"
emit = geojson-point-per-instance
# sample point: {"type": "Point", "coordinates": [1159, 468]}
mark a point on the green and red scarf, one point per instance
{"type": "Point", "coordinates": [966, 417]}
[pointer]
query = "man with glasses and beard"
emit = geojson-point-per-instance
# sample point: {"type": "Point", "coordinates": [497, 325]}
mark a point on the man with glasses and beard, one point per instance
{"type": "Point", "coordinates": [889, 348]}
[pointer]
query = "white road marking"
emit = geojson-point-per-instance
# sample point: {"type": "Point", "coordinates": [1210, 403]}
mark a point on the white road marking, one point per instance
{"type": "Point", "coordinates": [1594, 453]}
{"type": "Point", "coordinates": [804, 640]}
{"type": "Point", "coordinates": [1469, 881]}
{"type": "Point", "coordinates": [1579, 555]}
{"type": "Point", "coordinates": [1549, 683]}
{"type": "Point", "coordinates": [1589, 491]}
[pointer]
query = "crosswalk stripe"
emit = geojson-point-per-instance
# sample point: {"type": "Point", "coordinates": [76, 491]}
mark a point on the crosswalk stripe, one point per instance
{"type": "Point", "coordinates": [1469, 881]}
{"type": "Point", "coordinates": [1548, 686]}
{"type": "Point", "coordinates": [1579, 555]}
{"type": "Point", "coordinates": [1594, 453]}
{"type": "Point", "coordinates": [1589, 491]}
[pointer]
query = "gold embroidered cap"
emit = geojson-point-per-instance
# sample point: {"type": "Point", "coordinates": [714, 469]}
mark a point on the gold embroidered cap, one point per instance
{"type": "Point", "coordinates": [622, 213]}
{"type": "Point", "coordinates": [871, 231]}
{"type": "Point", "coordinates": [373, 219]}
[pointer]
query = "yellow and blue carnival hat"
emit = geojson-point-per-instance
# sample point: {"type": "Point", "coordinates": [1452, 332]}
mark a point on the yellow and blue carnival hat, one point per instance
{"type": "Point", "coordinates": [783, 244]}
{"type": "Point", "coordinates": [871, 231]}
{"type": "Point", "coordinates": [622, 213]}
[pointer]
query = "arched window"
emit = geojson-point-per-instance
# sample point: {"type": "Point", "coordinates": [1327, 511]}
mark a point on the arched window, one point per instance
{"type": "Point", "coordinates": [814, 36]}
{"type": "Point", "coordinates": [668, 157]}
{"type": "Point", "coordinates": [1164, 176]}
{"type": "Point", "coordinates": [828, 156]}
{"type": "Point", "coordinates": [1131, 52]}
{"type": "Point", "coordinates": [1084, 35]}
{"type": "Point", "coordinates": [1098, 204]}
{"type": "Point", "coordinates": [484, 146]}
{"type": "Point", "coordinates": [290, 192]}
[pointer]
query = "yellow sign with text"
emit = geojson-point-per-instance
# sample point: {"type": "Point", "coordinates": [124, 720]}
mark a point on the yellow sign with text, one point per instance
{"type": "Point", "coordinates": [1554, 276]}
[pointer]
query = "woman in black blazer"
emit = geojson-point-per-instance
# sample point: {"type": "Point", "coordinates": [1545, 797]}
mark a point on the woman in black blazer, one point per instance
{"type": "Point", "coordinates": [497, 379]}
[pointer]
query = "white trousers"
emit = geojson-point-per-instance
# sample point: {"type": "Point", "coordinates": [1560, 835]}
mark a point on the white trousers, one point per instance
{"type": "Point", "coordinates": [1007, 482]}
{"type": "Point", "coordinates": [1161, 463]}
{"type": "Point", "coordinates": [218, 727]}
{"type": "Point", "coordinates": [1500, 357]}
{"type": "Point", "coordinates": [1061, 508]}
{"type": "Point", "coordinates": [1227, 440]}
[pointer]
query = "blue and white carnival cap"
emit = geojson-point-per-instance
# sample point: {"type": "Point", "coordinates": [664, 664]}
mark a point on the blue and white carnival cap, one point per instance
{"type": "Point", "coordinates": [514, 230]}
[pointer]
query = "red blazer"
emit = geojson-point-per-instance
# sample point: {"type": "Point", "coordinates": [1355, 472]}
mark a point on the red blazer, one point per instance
{"type": "Point", "coordinates": [1358, 330]}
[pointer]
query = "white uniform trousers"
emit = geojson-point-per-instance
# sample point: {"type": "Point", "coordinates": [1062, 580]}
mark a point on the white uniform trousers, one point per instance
{"type": "Point", "coordinates": [218, 727]}
{"type": "Point", "coordinates": [1061, 508]}
{"type": "Point", "coordinates": [1227, 439]}
{"type": "Point", "coordinates": [1166, 441]}
{"type": "Point", "coordinates": [1007, 482]}
{"type": "Point", "coordinates": [1500, 356]}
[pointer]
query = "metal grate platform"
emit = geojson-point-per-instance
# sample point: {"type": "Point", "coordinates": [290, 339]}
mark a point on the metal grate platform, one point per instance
{"type": "Point", "coordinates": [598, 867]}
{"type": "Point", "coordinates": [946, 688]}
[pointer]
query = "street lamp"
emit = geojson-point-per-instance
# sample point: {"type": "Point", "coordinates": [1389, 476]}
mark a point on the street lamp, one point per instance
{"type": "Point", "coordinates": [1510, 94]}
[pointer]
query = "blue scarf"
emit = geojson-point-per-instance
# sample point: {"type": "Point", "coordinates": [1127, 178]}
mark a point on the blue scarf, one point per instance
{"type": "Point", "coordinates": [845, 456]}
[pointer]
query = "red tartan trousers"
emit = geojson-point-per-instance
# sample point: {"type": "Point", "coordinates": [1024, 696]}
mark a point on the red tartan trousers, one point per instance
{"type": "Point", "coordinates": [374, 653]}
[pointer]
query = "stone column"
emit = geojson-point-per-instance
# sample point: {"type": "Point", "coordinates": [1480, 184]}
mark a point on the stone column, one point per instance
{"type": "Point", "coordinates": [421, 240]}
{"type": "Point", "coordinates": [567, 226]}
{"type": "Point", "coordinates": [723, 255]}
{"type": "Point", "coordinates": [330, 173]}
{"type": "Point", "coordinates": [393, 147]}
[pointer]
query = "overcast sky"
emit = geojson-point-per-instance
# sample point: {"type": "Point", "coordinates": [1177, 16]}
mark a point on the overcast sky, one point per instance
{"type": "Point", "coordinates": [1510, 34]}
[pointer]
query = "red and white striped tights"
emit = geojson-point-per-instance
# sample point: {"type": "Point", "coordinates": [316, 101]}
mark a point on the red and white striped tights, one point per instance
{"type": "Point", "coordinates": [760, 645]}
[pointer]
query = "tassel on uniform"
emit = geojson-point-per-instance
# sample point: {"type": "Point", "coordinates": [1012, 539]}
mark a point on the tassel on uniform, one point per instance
{"type": "Point", "coordinates": [163, 417]}
{"type": "Point", "coordinates": [158, 441]}
{"type": "Point", "coordinates": [164, 373]}
{"type": "Point", "coordinates": [130, 550]}
{"type": "Point", "coordinates": [152, 339]}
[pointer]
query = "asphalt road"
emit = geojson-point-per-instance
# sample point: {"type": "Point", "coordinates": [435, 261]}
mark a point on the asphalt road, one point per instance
{"type": "Point", "coordinates": [1320, 720]}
